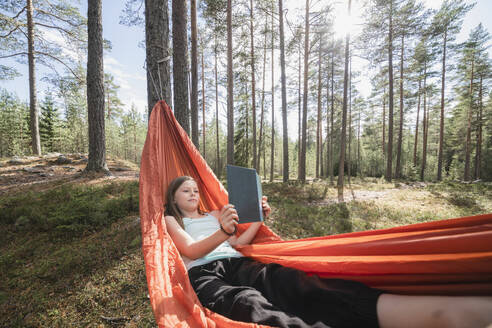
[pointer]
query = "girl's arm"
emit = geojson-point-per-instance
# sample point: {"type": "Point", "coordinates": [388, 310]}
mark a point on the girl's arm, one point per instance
{"type": "Point", "coordinates": [187, 246]}
{"type": "Point", "coordinates": [247, 236]}
{"type": "Point", "coordinates": [196, 249]}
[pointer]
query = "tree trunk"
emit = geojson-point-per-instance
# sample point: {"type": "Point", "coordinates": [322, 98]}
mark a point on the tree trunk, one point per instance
{"type": "Point", "coordinates": [468, 128]}
{"type": "Point", "coordinates": [343, 136]}
{"type": "Point", "coordinates": [247, 124]}
{"type": "Point", "coordinates": [194, 76]}
{"type": "Point", "coordinates": [260, 139]}
{"type": "Point", "coordinates": [272, 152]}
{"type": "Point", "coordinates": [441, 129]}
{"type": "Point", "coordinates": [157, 53]}
{"type": "Point", "coordinates": [217, 161]}
{"type": "Point", "coordinates": [285, 136]}
{"type": "Point", "coordinates": [230, 88]}
{"type": "Point", "coordinates": [424, 124]}
{"type": "Point", "coordinates": [349, 118]}
{"type": "Point", "coordinates": [302, 160]}
{"type": "Point", "coordinates": [253, 86]}
{"type": "Point", "coordinates": [389, 159]}
{"type": "Point", "coordinates": [33, 106]}
{"type": "Point", "coordinates": [95, 88]}
{"type": "Point", "coordinates": [327, 137]}
{"type": "Point", "coordinates": [400, 129]}
{"type": "Point", "coordinates": [180, 64]}
{"type": "Point", "coordinates": [299, 119]}
{"type": "Point", "coordinates": [359, 168]}
{"type": "Point", "coordinates": [330, 164]}
{"type": "Point", "coordinates": [384, 121]}
{"type": "Point", "coordinates": [318, 118]}
{"type": "Point", "coordinates": [478, 152]}
{"type": "Point", "coordinates": [135, 142]}
{"type": "Point", "coordinates": [203, 107]}
{"type": "Point", "coordinates": [416, 129]}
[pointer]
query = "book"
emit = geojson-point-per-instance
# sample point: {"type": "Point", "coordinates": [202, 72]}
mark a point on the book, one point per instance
{"type": "Point", "coordinates": [244, 188]}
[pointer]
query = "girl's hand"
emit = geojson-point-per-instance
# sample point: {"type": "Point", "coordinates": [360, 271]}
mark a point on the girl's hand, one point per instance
{"type": "Point", "coordinates": [265, 206]}
{"type": "Point", "coordinates": [228, 218]}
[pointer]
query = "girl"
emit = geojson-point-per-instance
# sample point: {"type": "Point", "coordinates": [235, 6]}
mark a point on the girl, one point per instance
{"type": "Point", "coordinates": [245, 290]}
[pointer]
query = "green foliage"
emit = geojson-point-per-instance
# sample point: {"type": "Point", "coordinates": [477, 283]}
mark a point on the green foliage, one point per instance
{"type": "Point", "coordinates": [14, 125]}
{"type": "Point", "coordinates": [49, 125]}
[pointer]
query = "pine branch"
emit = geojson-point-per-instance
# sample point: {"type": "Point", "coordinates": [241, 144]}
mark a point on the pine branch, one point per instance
{"type": "Point", "coordinates": [60, 29]}
{"type": "Point", "coordinates": [61, 62]}
{"type": "Point", "coordinates": [58, 17]}
{"type": "Point", "coordinates": [12, 55]}
{"type": "Point", "coordinates": [8, 34]}
{"type": "Point", "coordinates": [20, 12]}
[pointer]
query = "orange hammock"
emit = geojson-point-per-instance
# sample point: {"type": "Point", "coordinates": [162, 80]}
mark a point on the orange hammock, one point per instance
{"type": "Point", "coordinates": [451, 257]}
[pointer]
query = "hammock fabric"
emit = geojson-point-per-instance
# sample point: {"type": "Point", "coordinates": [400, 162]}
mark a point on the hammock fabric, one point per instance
{"type": "Point", "coordinates": [447, 257]}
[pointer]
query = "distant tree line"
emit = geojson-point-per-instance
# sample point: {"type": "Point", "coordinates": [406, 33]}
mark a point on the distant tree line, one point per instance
{"type": "Point", "coordinates": [428, 116]}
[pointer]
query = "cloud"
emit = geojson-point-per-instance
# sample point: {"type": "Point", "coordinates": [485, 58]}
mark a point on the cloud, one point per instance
{"type": "Point", "coordinates": [57, 39]}
{"type": "Point", "coordinates": [133, 87]}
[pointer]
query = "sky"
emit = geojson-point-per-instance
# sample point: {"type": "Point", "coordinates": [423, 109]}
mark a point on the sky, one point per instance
{"type": "Point", "coordinates": [126, 59]}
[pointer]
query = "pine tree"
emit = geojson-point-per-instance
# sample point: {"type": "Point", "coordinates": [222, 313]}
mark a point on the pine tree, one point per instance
{"type": "Point", "coordinates": [48, 124]}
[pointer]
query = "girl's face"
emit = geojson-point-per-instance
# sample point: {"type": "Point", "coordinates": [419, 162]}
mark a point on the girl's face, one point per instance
{"type": "Point", "coordinates": [187, 197]}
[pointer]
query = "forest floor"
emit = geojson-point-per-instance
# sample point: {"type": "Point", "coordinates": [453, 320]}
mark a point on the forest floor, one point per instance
{"type": "Point", "coordinates": [70, 252]}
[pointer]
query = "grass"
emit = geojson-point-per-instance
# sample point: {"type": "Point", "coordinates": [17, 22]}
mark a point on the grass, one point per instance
{"type": "Point", "coordinates": [70, 255]}
{"type": "Point", "coordinates": [69, 270]}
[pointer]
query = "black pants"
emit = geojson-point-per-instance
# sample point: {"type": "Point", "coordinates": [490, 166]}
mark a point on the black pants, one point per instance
{"type": "Point", "coordinates": [270, 294]}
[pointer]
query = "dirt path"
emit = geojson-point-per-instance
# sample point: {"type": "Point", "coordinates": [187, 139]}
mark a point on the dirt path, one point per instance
{"type": "Point", "coordinates": [37, 173]}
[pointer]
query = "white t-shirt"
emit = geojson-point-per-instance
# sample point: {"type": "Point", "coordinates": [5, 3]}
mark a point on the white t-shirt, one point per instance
{"type": "Point", "coordinates": [201, 228]}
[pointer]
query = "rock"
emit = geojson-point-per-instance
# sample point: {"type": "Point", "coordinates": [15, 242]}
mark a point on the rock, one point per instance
{"type": "Point", "coordinates": [32, 170]}
{"type": "Point", "coordinates": [15, 161]}
{"type": "Point", "coordinates": [51, 155]}
{"type": "Point", "coordinates": [119, 169]}
{"type": "Point", "coordinates": [63, 160]}
{"type": "Point", "coordinates": [70, 168]}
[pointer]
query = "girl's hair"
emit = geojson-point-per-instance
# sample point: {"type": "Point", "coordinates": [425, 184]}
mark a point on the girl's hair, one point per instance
{"type": "Point", "coordinates": [170, 207]}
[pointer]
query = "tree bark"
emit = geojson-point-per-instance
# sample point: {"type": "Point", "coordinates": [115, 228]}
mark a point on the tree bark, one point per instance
{"type": "Point", "coordinates": [389, 159]}
{"type": "Point", "coordinates": [302, 160]}
{"type": "Point", "coordinates": [285, 135]}
{"type": "Point", "coordinates": [203, 106]}
{"type": "Point", "coordinates": [272, 152]}
{"type": "Point", "coordinates": [318, 117]}
{"type": "Point", "coordinates": [400, 129]}
{"type": "Point", "coordinates": [157, 53]}
{"type": "Point", "coordinates": [416, 128]}
{"type": "Point", "coordinates": [33, 106]}
{"type": "Point", "coordinates": [330, 164]}
{"type": "Point", "coordinates": [180, 64]}
{"type": "Point", "coordinates": [441, 128]}
{"type": "Point", "coordinates": [217, 161]}
{"type": "Point", "coordinates": [349, 119]}
{"type": "Point", "coordinates": [468, 128]}
{"type": "Point", "coordinates": [327, 136]}
{"type": "Point", "coordinates": [95, 88]}
{"type": "Point", "coordinates": [253, 86]}
{"type": "Point", "coordinates": [341, 162]}
{"type": "Point", "coordinates": [194, 76]}
{"type": "Point", "coordinates": [230, 88]}
{"type": "Point", "coordinates": [299, 119]}
{"type": "Point", "coordinates": [260, 139]}
{"type": "Point", "coordinates": [424, 124]}
{"type": "Point", "coordinates": [384, 121]}
{"type": "Point", "coordinates": [478, 152]}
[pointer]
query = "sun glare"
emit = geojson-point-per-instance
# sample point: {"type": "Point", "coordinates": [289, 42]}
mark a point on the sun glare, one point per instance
{"type": "Point", "coordinates": [345, 23]}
